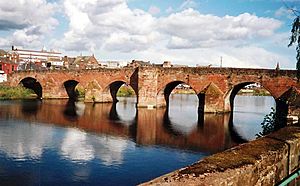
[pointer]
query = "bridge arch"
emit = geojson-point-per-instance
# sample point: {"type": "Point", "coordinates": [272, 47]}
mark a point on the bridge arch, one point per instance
{"type": "Point", "coordinates": [231, 94]}
{"type": "Point", "coordinates": [110, 91]}
{"type": "Point", "coordinates": [70, 86]}
{"type": "Point", "coordinates": [163, 94]}
{"type": "Point", "coordinates": [33, 84]}
{"type": "Point", "coordinates": [281, 106]}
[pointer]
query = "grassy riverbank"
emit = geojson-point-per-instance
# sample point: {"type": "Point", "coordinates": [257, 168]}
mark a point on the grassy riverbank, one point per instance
{"type": "Point", "coordinates": [19, 92]}
{"type": "Point", "coordinates": [254, 92]}
{"type": "Point", "coordinates": [125, 91]}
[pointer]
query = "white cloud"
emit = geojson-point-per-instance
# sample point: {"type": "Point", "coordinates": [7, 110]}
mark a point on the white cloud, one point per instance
{"type": "Point", "coordinates": [31, 20]}
{"type": "Point", "coordinates": [195, 30]}
{"type": "Point", "coordinates": [107, 24]}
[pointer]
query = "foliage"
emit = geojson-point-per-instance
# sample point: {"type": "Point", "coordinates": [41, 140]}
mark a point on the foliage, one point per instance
{"type": "Point", "coordinates": [269, 123]}
{"type": "Point", "coordinates": [272, 122]}
{"type": "Point", "coordinates": [16, 93]}
{"type": "Point", "coordinates": [80, 92]}
{"type": "Point", "coordinates": [295, 38]}
{"type": "Point", "coordinates": [125, 91]}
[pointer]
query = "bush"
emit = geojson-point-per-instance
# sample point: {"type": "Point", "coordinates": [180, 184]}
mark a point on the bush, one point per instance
{"type": "Point", "coordinates": [125, 91]}
{"type": "Point", "coordinates": [16, 93]}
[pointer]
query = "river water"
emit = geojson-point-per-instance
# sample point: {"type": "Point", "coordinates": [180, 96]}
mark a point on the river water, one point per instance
{"type": "Point", "coordinates": [57, 142]}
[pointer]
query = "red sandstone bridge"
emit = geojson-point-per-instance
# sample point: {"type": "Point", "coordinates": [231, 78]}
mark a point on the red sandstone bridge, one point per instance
{"type": "Point", "coordinates": [215, 87]}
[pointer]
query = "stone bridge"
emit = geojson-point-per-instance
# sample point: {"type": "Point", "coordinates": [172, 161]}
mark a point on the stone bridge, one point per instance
{"type": "Point", "coordinates": [215, 87]}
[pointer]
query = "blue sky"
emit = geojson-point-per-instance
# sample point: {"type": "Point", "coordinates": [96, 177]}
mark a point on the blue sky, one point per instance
{"type": "Point", "coordinates": [246, 33]}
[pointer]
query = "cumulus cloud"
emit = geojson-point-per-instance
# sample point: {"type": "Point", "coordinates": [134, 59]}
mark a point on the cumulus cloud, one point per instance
{"type": "Point", "coordinates": [30, 20]}
{"type": "Point", "coordinates": [190, 29]}
{"type": "Point", "coordinates": [111, 25]}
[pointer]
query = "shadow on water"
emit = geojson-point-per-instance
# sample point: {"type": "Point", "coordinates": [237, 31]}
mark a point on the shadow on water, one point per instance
{"type": "Point", "coordinates": [233, 132]}
{"type": "Point", "coordinates": [168, 124]}
{"type": "Point", "coordinates": [70, 110]}
{"type": "Point", "coordinates": [113, 114]}
{"type": "Point", "coordinates": [30, 107]}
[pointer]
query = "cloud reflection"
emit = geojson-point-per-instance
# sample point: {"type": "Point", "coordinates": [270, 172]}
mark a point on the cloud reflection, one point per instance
{"type": "Point", "coordinates": [78, 146]}
{"type": "Point", "coordinates": [75, 146]}
{"type": "Point", "coordinates": [24, 141]}
{"type": "Point", "coordinates": [111, 150]}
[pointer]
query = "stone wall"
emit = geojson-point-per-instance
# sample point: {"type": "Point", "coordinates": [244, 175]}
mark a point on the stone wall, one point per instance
{"type": "Point", "coordinates": [265, 161]}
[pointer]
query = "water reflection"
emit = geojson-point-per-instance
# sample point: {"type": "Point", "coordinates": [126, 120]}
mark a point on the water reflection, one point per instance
{"type": "Point", "coordinates": [76, 147]}
{"type": "Point", "coordinates": [23, 142]}
{"type": "Point", "coordinates": [94, 141]}
{"type": "Point", "coordinates": [249, 113]}
{"type": "Point", "coordinates": [146, 127]}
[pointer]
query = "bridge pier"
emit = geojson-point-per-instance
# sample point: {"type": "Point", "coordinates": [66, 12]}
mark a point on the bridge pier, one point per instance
{"type": "Point", "coordinates": [212, 100]}
{"type": "Point", "coordinates": [93, 92]}
{"type": "Point", "coordinates": [147, 87]}
{"type": "Point", "coordinates": [54, 92]}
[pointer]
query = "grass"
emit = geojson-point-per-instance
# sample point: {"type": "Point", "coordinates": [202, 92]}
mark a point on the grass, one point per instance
{"type": "Point", "coordinates": [19, 92]}
{"type": "Point", "coordinates": [125, 91]}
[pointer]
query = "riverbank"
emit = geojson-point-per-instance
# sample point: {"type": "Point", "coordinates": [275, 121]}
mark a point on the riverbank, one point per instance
{"type": "Point", "coordinates": [9, 93]}
{"type": "Point", "coordinates": [254, 92]}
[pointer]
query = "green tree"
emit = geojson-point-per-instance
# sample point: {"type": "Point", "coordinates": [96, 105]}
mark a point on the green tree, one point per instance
{"type": "Point", "coordinates": [295, 39]}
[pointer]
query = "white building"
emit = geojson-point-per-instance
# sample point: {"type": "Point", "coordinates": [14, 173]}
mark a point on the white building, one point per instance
{"type": "Point", "coordinates": [43, 57]}
{"type": "Point", "coordinates": [113, 64]}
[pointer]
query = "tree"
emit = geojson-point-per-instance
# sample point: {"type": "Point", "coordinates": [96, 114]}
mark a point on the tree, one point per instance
{"type": "Point", "coordinates": [295, 38]}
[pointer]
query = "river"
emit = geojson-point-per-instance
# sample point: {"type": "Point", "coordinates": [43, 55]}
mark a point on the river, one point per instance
{"type": "Point", "coordinates": [58, 142]}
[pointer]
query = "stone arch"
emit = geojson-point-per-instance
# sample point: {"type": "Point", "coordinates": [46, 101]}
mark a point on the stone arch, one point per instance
{"type": "Point", "coordinates": [70, 86]}
{"type": "Point", "coordinates": [110, 92]}
{"type": "Point", "coordinates": [33, 84]}
{"type": "Point", "coordinates": [231, 94]}
{"type": "Point", "coordinates": [163, 95]}
{"type": "Point", "coordinates": [281, 105]}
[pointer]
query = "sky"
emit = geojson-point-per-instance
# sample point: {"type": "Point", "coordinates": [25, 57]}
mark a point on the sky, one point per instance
{"type": "Point", "coordinates": [244, 33]}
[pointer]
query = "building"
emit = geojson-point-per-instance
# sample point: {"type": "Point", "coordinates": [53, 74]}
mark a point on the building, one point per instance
{"type": "Point", "coordinates": [8, 66]}
{"type": "Point", "coordinates": [113, 64]}
{"type": "Point", "coordinates": [68, 61]}
{"type": "Point", "coordinates": [8, 62]}
{"type": "Point", "coordinates": [136, 63]}
{"type": "Point", "coordinates": [35, 58]}
{"type": "Point", "coordinates": [84, 62]}
{"type": "Point", "coordinates": [166, 64]}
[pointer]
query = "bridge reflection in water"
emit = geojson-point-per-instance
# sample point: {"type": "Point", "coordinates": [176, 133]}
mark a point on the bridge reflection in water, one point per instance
{"type": "Point", "coordinates": [209, 133]}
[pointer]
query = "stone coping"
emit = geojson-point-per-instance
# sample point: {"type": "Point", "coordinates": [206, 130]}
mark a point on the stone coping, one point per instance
{"type": "Point", "coordinates": [264, 161]}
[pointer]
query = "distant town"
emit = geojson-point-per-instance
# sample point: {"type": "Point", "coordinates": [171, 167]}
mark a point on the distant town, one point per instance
{"type": "Point", "coordinates": [25, 59]}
